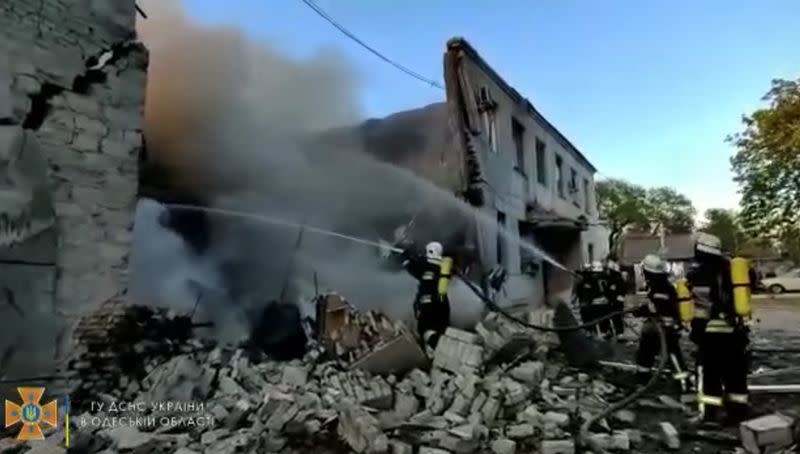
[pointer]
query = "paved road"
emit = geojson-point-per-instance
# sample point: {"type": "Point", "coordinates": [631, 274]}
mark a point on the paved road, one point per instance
{"type": "Point", "coordinates": [795, 297]}
{"type": "Point", "coordinates": [778, 313]}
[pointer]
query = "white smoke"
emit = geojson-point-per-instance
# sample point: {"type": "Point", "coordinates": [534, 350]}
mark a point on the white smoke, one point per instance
{"type": "Point", "coordinates": [233, 117]}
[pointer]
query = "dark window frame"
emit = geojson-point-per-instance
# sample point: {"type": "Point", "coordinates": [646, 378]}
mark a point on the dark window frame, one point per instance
{"type": "Point", "coordinates": [518, 137]}
{"type": "Point", "coordinates": [560, 177]}
{"type": "Point", "coordinates": [587, 200]}
{"type": "Point", "coordinates": [541, 162]}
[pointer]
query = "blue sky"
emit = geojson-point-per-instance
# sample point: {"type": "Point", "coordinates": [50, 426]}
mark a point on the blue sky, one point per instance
{"type": "Point", "coordinates": [648, 90]}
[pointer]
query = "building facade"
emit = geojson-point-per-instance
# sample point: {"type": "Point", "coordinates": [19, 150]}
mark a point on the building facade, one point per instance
{"type": "Point", "coordinates": [527, 178]}
{"type": "Point", "coordinates": [72, 86]}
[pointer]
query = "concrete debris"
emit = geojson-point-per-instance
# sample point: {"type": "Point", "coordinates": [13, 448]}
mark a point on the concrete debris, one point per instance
{"type": "Point", "coordinates": [767, 434]}
{"type": "Point", "coordinates": [670, 436]}
{"type": "Point", "coordinates": [504, 446]}
{"type": "Point", "coordinates": [365, 340]}
{"type": "Point", "coordinates": [458, 352]}
{"type": "Point", "coordinates": [469, 401]}
{"type": "Point", "coordinates": [361, 430]}
{"type": "Point", "coordinates": [625, 416]}
{"type": "Point", "coordinates": [558, 447]}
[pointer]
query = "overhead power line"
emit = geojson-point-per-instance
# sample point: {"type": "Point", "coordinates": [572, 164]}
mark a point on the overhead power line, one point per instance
{"type": "Point", "coordinates": [349, 34]}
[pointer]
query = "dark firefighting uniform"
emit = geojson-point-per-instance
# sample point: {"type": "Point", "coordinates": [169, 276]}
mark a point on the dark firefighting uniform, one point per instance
{"type": "Point", "coordinates": [431, 304]}
{"type": "Point", "coordinates": [592, 299]}
{"type": "Point", "coordinates": [665, 300]}
{"type": "Point", "coordinates": [722, 338]}
{"type": "Point", "coordinates": [615, 295]}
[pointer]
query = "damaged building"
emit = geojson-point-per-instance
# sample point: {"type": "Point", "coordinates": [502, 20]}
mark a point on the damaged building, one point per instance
{"type": "Point", "coordinates": [72, 84]}
{"type": "Point", "coordinates": [493, 148]}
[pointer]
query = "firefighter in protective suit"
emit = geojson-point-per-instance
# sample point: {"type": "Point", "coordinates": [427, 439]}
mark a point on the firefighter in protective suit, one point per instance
{"type": "Point", "coordinates": [431, 305]}
{"type": "Point", "coordinates": [664, 300]}
{"type": "Point", "coordinates": [591, 295]}
{"type": "Point", "coordinates": [721, 331]}
{"type": "Point", "coordinates": [615, 294]}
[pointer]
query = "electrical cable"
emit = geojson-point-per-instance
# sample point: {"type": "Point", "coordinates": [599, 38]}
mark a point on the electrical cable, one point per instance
{"type": "Point", "coordinates": [317, 9]}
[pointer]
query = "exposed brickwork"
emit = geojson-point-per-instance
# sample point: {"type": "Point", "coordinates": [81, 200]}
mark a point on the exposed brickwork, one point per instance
{"type": "Point", "coordinates": [72, 75]}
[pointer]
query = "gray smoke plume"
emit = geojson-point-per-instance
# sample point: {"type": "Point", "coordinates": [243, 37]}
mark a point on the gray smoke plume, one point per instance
{"type": "Point", "coordinates": [240, 123]}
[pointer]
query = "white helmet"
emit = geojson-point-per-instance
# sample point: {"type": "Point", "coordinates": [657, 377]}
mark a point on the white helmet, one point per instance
{"type": "Point", "coordinates": [597, 266]}
{"type": "Point", "coordinates": [708, 244]}
{"type": "Point", "coordinates": [433, 250]}
{"type": "Point", "coordinates": [653, 264]}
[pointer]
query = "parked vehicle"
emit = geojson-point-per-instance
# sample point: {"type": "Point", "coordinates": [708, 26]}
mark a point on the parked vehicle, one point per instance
{"type": "Point", "coordinates": [787, 282]}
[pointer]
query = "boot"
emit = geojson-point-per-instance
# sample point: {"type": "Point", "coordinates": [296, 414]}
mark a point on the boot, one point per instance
{"type": "Point", "coordinates": [735, 414]}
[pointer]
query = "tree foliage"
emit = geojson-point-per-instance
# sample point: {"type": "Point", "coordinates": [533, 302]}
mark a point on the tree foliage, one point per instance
{"type": "Point", "coordinates": [621, 204]}
{"type": "Point", "coordinates": [767, 163]}
{"type": "Point", "coordinates": [724, 224]}
{"type": "Point", "coordinates": [670, 209]}
{"type": "Point", "coordinates": [627, 206]}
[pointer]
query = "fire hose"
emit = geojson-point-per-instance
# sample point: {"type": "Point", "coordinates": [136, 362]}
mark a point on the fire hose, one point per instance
{"type": "Point", "coordinates": [582, 438]}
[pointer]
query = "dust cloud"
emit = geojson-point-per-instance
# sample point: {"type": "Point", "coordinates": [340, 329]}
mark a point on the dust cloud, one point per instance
{"type": "Point", "coordinates": [237, 122]}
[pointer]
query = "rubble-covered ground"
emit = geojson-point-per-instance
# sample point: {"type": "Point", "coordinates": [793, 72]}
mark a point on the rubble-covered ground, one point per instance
{"type": "Point", "coordinates": [500, 389]}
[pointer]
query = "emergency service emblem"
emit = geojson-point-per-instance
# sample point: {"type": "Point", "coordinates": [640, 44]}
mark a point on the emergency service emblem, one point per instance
{"type": "Point", "coordinates": [31, 414]}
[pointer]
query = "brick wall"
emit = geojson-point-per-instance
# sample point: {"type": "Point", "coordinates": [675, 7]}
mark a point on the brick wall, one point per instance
{"type": "Point", "coordinates": [72, 84]}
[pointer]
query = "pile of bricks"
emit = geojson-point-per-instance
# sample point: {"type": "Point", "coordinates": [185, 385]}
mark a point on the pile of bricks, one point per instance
{"type": "Point", "coordinates": [463, 404]}
{"type": "Point", "coordinates": [361, 334]}
{"type": "Point", "coordinates": [120, 344]}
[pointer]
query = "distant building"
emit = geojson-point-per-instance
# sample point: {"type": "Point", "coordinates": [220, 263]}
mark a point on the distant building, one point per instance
{"type": "Point", "coordinates": [678, 252]}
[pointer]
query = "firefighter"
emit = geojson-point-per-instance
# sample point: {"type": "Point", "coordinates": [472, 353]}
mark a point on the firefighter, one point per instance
{"type": "Point", "coordinates": [591, 296]}
{"type": "Point", "coordinates": [721, 332]}
{"type": "Point", "coordinates": [431, 304]}
{"type": "Point", "coordinates": [615, 294]}
{"type": "Point", "coordinates": [664, 304]}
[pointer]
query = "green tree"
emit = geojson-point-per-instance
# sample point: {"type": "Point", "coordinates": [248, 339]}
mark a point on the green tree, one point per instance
{"type": "Point", "coordinates": [766, 164]}
{"type": "Point", "coordinates": [671, 209]}
{"type": "Point", "coordinates": [622, 205]}
{"type": "Point", "coordinates": [724, 224]}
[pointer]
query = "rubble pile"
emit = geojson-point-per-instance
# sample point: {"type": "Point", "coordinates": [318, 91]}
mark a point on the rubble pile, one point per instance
{"type": "Point", "coordinates": [363, 332]}
{"type": "Point", "coordinates": [485, 392]}
{"type": "Point", "coordinates": [118, 345]}
{"type": "Point", "coordinates": [471, 400]}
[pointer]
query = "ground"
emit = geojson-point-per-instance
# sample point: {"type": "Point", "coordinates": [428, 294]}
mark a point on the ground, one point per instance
{"type": "Point", "coordinates": [776, 345]}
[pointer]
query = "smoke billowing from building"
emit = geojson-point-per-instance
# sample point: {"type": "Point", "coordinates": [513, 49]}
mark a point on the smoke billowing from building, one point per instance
{"type": "Point", "coordinates": [233, 121]}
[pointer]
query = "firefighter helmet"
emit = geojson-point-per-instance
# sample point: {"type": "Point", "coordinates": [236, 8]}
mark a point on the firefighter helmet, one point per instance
{"type": "Point", "coordinates": [708, 244]}
{"type": "Point", "coordinates": [612, 265]}
{"type": "Point", "coordinates": [433, 250]}
{"type": "Point", "coordinates": [653, 264]}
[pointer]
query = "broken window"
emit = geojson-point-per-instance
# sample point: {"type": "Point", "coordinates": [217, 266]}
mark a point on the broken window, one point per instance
{"type": "Point", "coordinates": [518, 135]}
{"type": "Point", "coordinates": [491, 130]}
{"type": "Point", "coordinates": [541, 166]}
{"type": "Point", "coordinates": [560, 176]}
{"type": "Point", "coordinates": [573, 185]}
{"type": "Point", "coordinates": [487, 107]}
{"type": "Point", "coordinates": [587, 201]}
{"type": "Point", "coordinates": [501, 243]}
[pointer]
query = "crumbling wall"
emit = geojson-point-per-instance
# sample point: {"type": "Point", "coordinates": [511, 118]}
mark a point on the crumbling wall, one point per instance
{"type": "Point", "coordinates": [72, 82]}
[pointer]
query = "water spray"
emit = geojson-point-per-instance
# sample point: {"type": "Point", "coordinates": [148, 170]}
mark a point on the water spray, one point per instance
{"type": "Point", "coordinates": [281, 222]}
{"type": "Point", "coordinates": [287, 223]}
